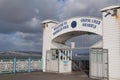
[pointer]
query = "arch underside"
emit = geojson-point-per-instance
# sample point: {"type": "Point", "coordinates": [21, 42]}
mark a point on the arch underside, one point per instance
{"type": "Point", "coordinates": [64, 37]}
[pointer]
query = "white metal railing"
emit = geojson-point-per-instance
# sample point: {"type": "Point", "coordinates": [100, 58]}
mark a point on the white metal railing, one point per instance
{"type": "Point", "coordinates": [20, 65]}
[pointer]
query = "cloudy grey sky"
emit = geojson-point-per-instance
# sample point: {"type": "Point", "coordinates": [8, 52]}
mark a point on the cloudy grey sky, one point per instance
{"type": "Point", "coordinates": [20, 20]}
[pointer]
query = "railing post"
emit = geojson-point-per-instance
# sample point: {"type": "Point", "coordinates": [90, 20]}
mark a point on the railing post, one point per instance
{"type": "Point", "coordinates": [29, 64]}
{"type": "Point", "coordinates": [0, 66]}
{"type": "Point", "coordinates": [14, 65]}
{"type": "Point", "coordinates": [41, 65]}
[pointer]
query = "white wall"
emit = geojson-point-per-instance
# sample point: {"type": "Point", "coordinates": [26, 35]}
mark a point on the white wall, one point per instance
{"type": "Point", "coordinates": [111, 41]}
{"type": "Point", "coordinates": [46, 39]}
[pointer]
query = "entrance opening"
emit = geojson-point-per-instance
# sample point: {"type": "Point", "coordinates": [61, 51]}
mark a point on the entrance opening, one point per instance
{"type": "Point", "coordinates": [87, 52]}
{"type": "Point", "coordinates": [84, 47]}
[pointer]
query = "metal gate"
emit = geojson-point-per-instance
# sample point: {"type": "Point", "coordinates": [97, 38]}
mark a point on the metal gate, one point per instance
{"type": "Point", "coordinates": [52, 61]}
{"type": "Point", "coordinates": [105, 64]}
{"type": "Point", "coordinates": [98, 63]}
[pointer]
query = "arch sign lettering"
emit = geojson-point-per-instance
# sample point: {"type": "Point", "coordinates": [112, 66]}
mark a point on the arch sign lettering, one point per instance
{"type": "Point", "coordinates": [87, 24]}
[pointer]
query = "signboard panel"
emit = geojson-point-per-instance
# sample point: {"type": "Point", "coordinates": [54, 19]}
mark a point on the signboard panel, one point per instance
{"type": "Point", "coordinates": [88, 24]}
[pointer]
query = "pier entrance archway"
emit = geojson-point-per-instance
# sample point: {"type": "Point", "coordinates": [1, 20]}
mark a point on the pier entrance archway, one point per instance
{"type": "Point", "coordinates": [57, 55]}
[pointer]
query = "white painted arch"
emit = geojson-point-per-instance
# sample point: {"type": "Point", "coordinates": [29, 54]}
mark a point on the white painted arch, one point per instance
{"type": "Point", "coordinates": [84, 25]}
{"type": "Point", "coordinates": [55, 34]}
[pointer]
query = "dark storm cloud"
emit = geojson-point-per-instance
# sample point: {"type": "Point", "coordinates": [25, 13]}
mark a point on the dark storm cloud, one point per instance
{"type": "Point", "coordinates": [20, 41]}
{"type": "Point", "coordinates": [27, 37]}
{"type": "Point", "coordinates": [32, 42]}
{"type": "Point", "coordinates": [16, 11]}
{"type": "Point", "coordinates": [14, 14]}
{"type": "Point", "coordinates": [5, 43]}
{"type": "Point", "coordinates": [20, 20]}
{"type": "Point", "coordinates": [7, 28]}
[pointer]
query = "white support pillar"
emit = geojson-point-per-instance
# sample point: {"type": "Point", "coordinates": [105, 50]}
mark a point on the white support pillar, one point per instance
{"type": "Point", "coordinates": [47, 35]}
{"type": "Point", "coordinates": [111, 40]}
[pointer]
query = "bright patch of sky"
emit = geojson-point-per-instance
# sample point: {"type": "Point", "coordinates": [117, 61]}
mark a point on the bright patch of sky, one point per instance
{"type": "Point", "coordinates": [61, 5]}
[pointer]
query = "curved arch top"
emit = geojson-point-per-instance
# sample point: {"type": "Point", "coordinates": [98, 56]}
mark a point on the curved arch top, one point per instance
{"type": "Point", "coordinates": [77, 26]}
